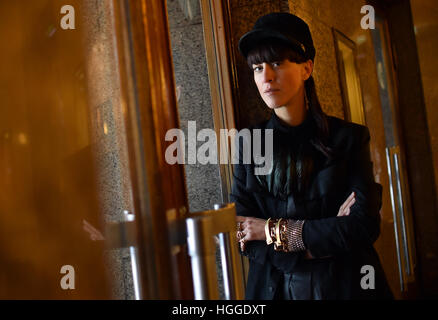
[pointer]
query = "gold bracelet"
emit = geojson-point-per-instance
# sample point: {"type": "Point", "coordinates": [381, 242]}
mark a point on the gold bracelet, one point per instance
{"type": "Point", "coordinates": [281, 243]}
{"type": "Point", "coordinates": [272, 224]}
{"type": "Point", "coordinates": [284, 239]}
{"type": "Point", "coordinates": [268, 232]}
{"type": "Point", "coordinates": [277, 233]}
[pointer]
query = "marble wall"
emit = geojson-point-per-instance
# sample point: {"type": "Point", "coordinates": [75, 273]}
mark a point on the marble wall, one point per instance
{"type": "Point", "coordinates": [108, 135]}
{"type": "Point", "coordinates": [194, 103]}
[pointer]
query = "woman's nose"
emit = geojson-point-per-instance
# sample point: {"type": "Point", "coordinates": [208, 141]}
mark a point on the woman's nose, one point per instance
{"type": "Point", "coordinates": [268, 73]}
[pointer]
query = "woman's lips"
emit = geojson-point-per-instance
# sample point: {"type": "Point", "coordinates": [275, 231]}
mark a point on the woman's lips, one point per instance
{"type": "Point", "coordinates": [270, 92]}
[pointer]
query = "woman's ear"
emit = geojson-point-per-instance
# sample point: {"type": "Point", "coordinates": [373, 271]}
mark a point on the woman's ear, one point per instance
{"type": "Point", "coordinates": [308, 69]}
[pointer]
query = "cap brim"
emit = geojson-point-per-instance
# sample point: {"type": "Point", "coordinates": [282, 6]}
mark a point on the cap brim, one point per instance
{"type": "Point", "coordinates": [258, 37]}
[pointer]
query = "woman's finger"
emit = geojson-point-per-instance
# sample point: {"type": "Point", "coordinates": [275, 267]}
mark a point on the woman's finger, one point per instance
{"type": "Point", "coordinates": [348, 200]}
{"type": "Point", "coordinates": [242, 241]}
{"type": "Point", "coordinates": [347, 204]}
{"type": "Point", "coordinates": [246, 236]}
{"type": "Point", "coordinates": [345, 212]}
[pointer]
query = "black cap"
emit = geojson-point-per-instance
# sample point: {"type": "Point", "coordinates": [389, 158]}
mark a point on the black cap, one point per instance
{"type": "Point", "coordinates": [285, 27]}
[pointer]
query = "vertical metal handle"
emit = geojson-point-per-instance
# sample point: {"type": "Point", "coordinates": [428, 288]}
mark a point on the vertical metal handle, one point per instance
{"type": "Point", "coordinates": [202, 253]}
{"type": "Point", "coordinates": [394, 214]}
{"type": "Point", "coordinates": [230, 262]}
{"type": "Point", "coordinates": [201, 228]}
{"type": "Point", "coordinates": [134, 264]}
{"type": "Point", "coordinates": [400, 209]}
{"type": "Point", "coordinates": [236, 268]}
{"type": "Point", "coordinates": [225, 254]}
{"type": "Point", "coordinates": [402, 214]}
{"type": "Point", "coordinates": [224, 246]}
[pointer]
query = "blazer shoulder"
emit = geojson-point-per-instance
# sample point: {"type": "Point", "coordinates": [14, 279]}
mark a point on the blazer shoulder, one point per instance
{"type": "Point", "coordinates": [346, 133]}
{"type": "Point", "coordinates": [341, 124]}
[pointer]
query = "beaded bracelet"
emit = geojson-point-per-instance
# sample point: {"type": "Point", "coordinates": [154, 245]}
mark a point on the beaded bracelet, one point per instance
{"type": "Point", "coordinates": [294, 235]}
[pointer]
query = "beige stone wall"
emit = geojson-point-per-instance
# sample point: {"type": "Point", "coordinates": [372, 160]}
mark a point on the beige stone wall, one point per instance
{"type": "Point", "coordinates": [345, 16]}
{"type": "Point", "coordinates": [108, 134]}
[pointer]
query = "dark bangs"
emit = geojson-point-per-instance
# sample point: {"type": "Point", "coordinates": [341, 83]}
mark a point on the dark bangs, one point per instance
{"type": "Point", "coordinates": [271, 52]}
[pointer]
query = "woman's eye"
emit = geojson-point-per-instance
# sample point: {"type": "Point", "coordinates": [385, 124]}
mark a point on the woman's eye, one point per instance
{"type": "Point", "coordinates": [257, 68]}
{"type": "Point", "coordinates": [276, 64]}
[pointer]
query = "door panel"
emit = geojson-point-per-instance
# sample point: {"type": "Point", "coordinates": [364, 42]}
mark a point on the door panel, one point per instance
{"type": "Point", "coordinates": [82, 126]}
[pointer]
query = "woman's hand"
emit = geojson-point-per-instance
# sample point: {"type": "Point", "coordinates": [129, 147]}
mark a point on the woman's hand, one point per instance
{"type": "Point", "coordinates": [250, 228]}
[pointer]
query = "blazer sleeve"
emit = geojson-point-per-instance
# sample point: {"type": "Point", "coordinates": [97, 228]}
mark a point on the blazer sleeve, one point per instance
{"type": "Point", "coordinates": [361, 228]}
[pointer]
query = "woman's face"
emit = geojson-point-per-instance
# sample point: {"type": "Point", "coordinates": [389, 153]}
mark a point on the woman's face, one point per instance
{"type": "Point", "coordinates": [281, 83]}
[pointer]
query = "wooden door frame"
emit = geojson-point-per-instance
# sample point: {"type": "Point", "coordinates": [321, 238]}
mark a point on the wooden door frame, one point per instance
{"type": "Point", "coordinates": [217, 39]}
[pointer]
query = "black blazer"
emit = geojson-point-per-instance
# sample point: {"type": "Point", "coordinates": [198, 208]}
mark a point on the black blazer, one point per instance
{"type": "Point", "coordinates": [347, 240]}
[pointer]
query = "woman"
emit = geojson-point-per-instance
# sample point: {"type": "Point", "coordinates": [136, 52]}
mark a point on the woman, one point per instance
{"type": "Point", "coordinates": [307, 227]}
